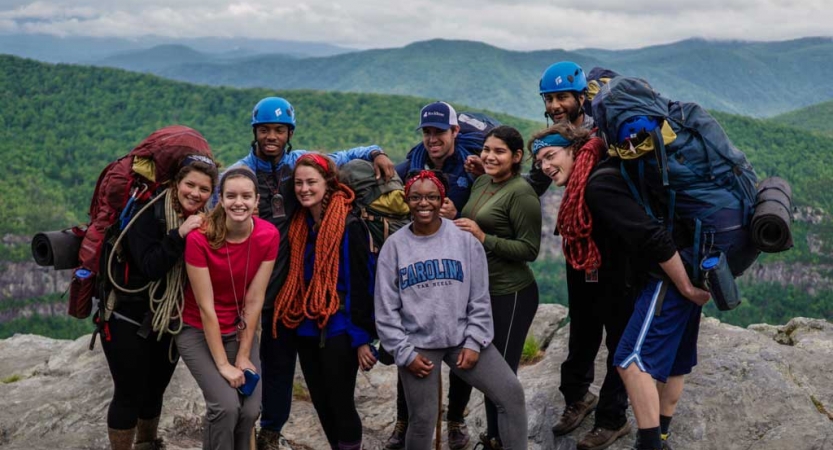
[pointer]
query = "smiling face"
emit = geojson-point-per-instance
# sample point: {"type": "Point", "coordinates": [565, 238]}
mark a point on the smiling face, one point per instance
{"type": "Point", "coordinates": [439, 143]}
{"type": "Point", "coordinates": [563, 106]}
{"type": "Point", "coordinates": [498, 159]}
{"type": "Point", "coordinates": [424, 200]}
{"type": "Point", "coordinates": [193, 191]}
{"type": "Point", "coordinates": [238, 198]}
{"type": "Point", "coordinates": [310, 186]}
{"type": "Point", "coordinates": [556, 163]}
{"type": "Point", "coordinates": [271, 140]}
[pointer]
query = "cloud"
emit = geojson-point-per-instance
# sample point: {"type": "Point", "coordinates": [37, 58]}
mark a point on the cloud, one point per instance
{"type": "Point", "coordinates": [526, 25]}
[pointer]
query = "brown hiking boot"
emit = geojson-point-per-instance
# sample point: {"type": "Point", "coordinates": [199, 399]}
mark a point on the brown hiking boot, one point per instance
{"type": "Point", "coordinates": [487, 443]}
{"type": "Point", "coordinates": [574, 413]}
{"type": "Point", "coordinates": [271, 440]}
{"type": "Point", "coordinates": [396, 441]}
{"type": "Point", "coordinates": [600, 438]}
{"type": "Point", "coordinates": [458, 435]}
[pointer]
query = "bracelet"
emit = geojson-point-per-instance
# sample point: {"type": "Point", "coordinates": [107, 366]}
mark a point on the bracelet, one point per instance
{"type": "Point", "coordinates": [376, 153]}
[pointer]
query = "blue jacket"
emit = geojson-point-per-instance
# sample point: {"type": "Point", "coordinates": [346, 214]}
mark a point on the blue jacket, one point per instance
{"type": "Point", "coordinates": [459, 180]}
{"type": "Point", "coordinates": [354, 285]}
{"type": "Point", "coordinates": [282, 172]}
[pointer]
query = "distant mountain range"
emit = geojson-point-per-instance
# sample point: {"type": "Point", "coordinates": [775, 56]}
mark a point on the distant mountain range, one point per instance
{"type": "Point", "coordinates": [759, 79]}
{"type": "Point", "coordinates": [86, 50]}
{"type": "Point", "coordinates": [817, 118]}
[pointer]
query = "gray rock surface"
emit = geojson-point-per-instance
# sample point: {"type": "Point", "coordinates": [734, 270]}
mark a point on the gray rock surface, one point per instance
{"type": "Point", "coordinates": [766, 387]}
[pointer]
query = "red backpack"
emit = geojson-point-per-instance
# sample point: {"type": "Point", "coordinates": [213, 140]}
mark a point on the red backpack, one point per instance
{"type": "Point", "coordinates": [134, 177]}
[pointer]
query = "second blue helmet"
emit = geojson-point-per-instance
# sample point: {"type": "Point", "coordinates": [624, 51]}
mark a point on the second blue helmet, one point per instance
{"type": "Point", "coordinates": [635, 125]}
{"type": "Point", "coordinates": [274, 110]}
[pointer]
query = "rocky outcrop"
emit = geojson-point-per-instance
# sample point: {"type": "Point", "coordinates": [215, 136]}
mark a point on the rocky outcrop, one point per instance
{"type": "Point", "coordinates": [27, 280]}
{"type": "Point", "coordinates": [763, 388]}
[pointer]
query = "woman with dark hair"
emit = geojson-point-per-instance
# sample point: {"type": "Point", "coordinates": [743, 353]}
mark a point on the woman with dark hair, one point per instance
{"type": "Point", "coordinates": [504, 214]}
{"type": "Point", "coordinates": [327, 297]}
{"type": "Point", "coordinates": [431, 306]}
{"type": "Point", "coordinates": [228, 261]}
{"type": "Point", "coordinates": [150, 263]}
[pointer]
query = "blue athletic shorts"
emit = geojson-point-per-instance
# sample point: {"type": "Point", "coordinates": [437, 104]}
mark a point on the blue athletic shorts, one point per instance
{"type": "Point", "coordinates": [662, 345]}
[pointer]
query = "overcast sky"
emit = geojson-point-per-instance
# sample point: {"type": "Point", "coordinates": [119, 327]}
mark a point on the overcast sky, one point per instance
{"type": "Point", "coordinates": [510, 24]}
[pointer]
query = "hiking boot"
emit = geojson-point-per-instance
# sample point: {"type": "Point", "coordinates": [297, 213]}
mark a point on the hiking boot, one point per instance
{"type": "Point", "coordinates": [665, 445]}
{"type": "Point", "coordinates": [271, 440]}
{"type": "Point", "coordinates": [599, 438]}
{"type": "Point", "coordinates": [396, 440]}
{"type": "Point", "coordinates": [156, 444]}
{"type": "Point", "coordinates": [458, 435]}
{"type": "Point", "coordinates": [574, 413]}
{"type": "Point", "coordinates": [487, 443]}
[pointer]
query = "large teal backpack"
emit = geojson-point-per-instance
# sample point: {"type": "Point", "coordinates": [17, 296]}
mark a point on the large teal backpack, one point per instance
{"type": "Point", "coordinates": [705, 180]}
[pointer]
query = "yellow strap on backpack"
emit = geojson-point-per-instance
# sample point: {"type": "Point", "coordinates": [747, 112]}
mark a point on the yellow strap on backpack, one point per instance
{"type": "Point", "coordinates": [392, 203]}
{"type": "Point", "coordinates": [145, 167]}
{"type": "Point", "coordinates": [646, 146]}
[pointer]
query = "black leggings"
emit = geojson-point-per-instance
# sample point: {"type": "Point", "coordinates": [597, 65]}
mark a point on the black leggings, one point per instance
{"type": "Point", "coordinates": [141, 372]}
{"type": "Point", "coordinates": [330, 373]}
{"type": "Point", "coordinates": [512, 314]}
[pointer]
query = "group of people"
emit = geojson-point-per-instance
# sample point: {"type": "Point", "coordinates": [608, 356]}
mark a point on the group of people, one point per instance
{"type": "Point", "coordinates": [280, 270]}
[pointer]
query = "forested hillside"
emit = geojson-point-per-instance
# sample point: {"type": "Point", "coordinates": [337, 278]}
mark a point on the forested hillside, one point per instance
{"type": "Point", "coordinates": [758, 79]}
{"type": "Point", "coordinates": [61, 124]}
{"type": "Point", "coordinates": [817, 118]}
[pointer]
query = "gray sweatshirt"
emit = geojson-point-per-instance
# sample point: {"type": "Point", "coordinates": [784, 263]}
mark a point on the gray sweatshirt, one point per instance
{"type": "Point", "coordinates": [432, 292]}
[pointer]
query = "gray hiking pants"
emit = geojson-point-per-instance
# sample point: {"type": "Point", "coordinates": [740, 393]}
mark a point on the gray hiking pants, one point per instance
{"type": "Point", "coordinates": [491, 375]}
{"type": "Point", "coordinates": [229, 416]}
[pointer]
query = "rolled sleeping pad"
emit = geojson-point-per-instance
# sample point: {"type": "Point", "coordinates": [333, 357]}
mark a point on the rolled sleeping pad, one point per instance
{"type": "Point", "coordinates": [773, 216]}
{"type": "Point", "coordinates": [57, 248]}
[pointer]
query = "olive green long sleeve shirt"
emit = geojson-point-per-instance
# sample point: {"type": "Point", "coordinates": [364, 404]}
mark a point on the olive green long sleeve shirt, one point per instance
{"type": "Point", "coordinates": [509, 213]}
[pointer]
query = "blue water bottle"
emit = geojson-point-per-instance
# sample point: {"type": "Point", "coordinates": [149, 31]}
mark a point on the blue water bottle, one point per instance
{"type": "Point", "coordinates": [720, 282]}
{"type": "Point", "coordinates": [82, 274]}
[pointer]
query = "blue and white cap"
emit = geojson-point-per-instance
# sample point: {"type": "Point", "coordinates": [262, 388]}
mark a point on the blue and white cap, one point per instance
{"type": "Point", "coordinates": [438, 115]}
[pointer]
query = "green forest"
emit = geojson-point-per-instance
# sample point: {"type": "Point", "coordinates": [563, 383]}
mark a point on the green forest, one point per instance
{"type": "Point", "coordinates": [61, 124]}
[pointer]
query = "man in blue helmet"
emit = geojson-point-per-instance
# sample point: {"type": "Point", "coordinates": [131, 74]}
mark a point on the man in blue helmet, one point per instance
{"type": "Point", "coordinates": [273, 160]}
{"type": "Point", "coordinates": [600, 303]}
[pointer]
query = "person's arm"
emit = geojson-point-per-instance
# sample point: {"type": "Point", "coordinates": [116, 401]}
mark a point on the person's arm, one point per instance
{"type": "Point", "coordinates": [251, 314]}
{"type": "Point", "coordinates": [381, 163]}
{"type": "Point", "coordinates": [612, 206]}
{"type": "Point", "coordinates": [388, 307]}
{"type": "Point", "coordinates": [153, 251]}
{"type": "Point", "coordinates": [361, 326]}
{"type": "Point", "coordinates": [200, 280]}
{"type": "Point", "coordinates": [675, 270]}
{"type": "Point", "coordinates": [524, 212]}
{"type": "Point", "coordinates": [536, 178]}
{"type": "Point", "coordinates": [479, 326]}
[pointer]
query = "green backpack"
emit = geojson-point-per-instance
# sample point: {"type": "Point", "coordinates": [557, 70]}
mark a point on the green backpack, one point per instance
{"type": "Point", "coordinates": [380, 205]}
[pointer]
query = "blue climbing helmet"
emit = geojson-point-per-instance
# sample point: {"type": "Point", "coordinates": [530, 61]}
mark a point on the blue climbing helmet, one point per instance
{"type": "Point", "coordinates": [635, 125]}
{"type": "Point", "coordinates": [274, 110]}
{"type": "Point", "coordinates": [564, 76]}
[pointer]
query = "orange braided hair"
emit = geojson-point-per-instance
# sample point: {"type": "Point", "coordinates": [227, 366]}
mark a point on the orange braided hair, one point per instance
{"type": "Point", "coordinates": [574, 221]}
{"type": "Point", "coordinates": [320, 300]}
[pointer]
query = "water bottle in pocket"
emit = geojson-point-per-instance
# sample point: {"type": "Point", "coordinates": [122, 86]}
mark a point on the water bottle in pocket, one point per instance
{"type": "Point", "coordinates": [719, 281]}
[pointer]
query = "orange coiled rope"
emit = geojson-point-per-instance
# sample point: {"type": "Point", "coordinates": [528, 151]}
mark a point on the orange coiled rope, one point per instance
{"type": "Point", "coordinates": [574, 221]}
{"type": "Point", "coordinates": [319, 300]}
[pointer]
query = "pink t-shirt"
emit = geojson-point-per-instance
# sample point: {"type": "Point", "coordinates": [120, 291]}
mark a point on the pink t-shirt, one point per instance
{"type": "Point", "coordinates": [264, 247]}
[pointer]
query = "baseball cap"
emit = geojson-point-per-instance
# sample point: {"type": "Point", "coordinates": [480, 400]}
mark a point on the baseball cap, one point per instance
{"type": "Point", "coordinates": [438, 115]}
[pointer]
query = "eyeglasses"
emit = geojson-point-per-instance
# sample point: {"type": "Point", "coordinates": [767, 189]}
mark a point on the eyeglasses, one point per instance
{"type": "Point", "coordinates": [415, 198]}
{"type": "Point", "coordinates": [548, 157]}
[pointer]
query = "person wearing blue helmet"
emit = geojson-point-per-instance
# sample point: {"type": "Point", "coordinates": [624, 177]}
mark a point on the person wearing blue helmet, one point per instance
{"type": "Point", "coordinates": [600, 300]}
{"type": "Point", "coordinates": [563, 87]}
{"type": "Point", "coordinates": [272, 158]}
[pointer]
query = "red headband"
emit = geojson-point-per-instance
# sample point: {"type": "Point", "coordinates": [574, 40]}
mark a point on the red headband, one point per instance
{"type": "Point", "coordinates": [320, 160]}
{"type": "Point", "coordinates": [425, 175]}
